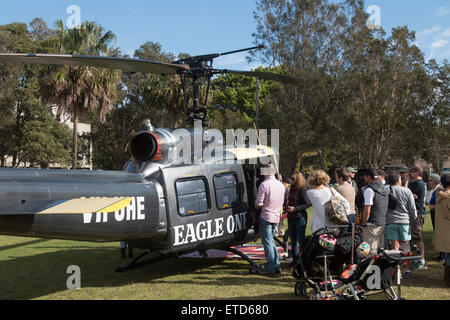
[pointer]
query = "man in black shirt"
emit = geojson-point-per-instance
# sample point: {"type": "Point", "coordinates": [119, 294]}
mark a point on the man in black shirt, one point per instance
{"type": "Point", "coordinates": [419, 190]}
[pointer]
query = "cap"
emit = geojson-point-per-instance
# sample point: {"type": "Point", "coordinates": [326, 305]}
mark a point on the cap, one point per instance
{"type": "Point", "coordinates": [350, 169]}
{"type": "Point", "coordinates": [403, 169]}
{"type": "Point", "coordinates": [368, 172]}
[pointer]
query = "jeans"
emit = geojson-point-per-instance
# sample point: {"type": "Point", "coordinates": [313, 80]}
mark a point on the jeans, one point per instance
{"type": "Point", "coordinates": [447, 259]}
{"type": "Point", "coordinates": [297, 228]}
{"type": "Point", "coordinates": [351, 218]}
{"type": "Point", "coordinates": [267, 232]}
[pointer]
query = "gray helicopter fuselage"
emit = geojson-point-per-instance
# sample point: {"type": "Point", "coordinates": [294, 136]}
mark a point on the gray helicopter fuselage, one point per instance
{"type": "Point", "coordinates": [127, 206]}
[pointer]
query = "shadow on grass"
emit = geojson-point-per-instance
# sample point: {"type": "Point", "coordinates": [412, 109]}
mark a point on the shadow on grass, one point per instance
{"type": "Point", "coordinates": [17, 245]}
{"type": "Point", "coordinates": [40, 275]}
{"type": "Point", "coordinates": [274, 296]}
{"type": "Point", "coordinates": [432, 278]}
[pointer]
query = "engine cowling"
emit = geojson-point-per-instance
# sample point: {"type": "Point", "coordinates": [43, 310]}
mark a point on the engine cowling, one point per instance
{"type": "Point", "coordinates": [144, 146]}
{"type": "Point", "coordinates": [165, 146]}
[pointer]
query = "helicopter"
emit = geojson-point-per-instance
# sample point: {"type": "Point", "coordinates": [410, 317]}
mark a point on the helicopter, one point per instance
{"type": "Point", "coordinates": [161, 202]}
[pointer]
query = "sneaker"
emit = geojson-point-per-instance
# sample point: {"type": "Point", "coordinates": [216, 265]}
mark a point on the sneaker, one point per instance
{"type": "Point", "coordinates": [408, 274]}
{"type": "Point", "coordinates": [419, 265]}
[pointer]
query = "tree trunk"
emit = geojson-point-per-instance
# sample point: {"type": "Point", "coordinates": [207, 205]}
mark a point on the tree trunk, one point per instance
{"type": "Point", "coordinates": [75, 137]}
{"type": "Point", "coordinates": [258, 89]}
{"type": "Point", "coordinates": [2, 159]}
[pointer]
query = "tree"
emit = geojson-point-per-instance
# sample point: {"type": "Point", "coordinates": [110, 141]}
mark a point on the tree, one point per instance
{"type": "Point", "coordinates": [77, 88]}
{"type": "Point", "coordinates": [305, 39]}
{"type": "Point", "coordinates": [44, 140]}
{"type": "Point", "coordinates": [162, 93]}
{"type": "Point", "coordinates": [241, 93]}
{"type": "Point", "coordinates": [438, 131]}
{"type": "Point", "coordinates": [360, 90]}
{"type": "Point", "coordinates": [144, 96]}
{"type": "Point", "coordinates": [29, 132]}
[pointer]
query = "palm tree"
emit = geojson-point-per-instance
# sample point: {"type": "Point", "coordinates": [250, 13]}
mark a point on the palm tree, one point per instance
{"type": "Point", "coordinates": [75, 89]}
{"type": "Point", "coordinates": [163, 94]}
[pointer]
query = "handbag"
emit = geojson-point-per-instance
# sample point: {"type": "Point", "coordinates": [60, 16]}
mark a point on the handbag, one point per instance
{"type": "Point", "coordinates": [335, 210]}
{"type": "Point", "coordinates": [393, 201]}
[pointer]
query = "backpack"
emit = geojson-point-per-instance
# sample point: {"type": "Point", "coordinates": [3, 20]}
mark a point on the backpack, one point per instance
{"type": "Point", "coordinates": [393, 201]}
{"type": "Point", "coordinates": [335, 210]}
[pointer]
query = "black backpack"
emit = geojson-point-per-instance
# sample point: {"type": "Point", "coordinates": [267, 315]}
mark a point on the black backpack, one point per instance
{"type": "Point", "coordinates": [393, 201]}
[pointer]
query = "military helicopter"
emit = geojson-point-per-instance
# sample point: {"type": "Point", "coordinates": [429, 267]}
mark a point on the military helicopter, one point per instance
{"type": "Point", "coordinates": [161, 202]}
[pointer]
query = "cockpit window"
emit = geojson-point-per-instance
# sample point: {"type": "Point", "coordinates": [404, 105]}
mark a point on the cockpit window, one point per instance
{"type": "Point", "coordinates": [192, 196]}
{"type": "Point", "coordinates": [226, 191]}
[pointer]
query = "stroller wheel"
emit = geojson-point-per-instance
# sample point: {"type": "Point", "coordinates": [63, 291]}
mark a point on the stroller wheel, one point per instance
{"type": "Point", "coordinates": [300, 289]}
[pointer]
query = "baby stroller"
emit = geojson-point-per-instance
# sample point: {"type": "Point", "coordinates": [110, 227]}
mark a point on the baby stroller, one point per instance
{"type": "Point", "coordinates": [323, 270]}
{"type": "Point", "coordinates": [323, 258]}
{"type": "Point", "coordinates": [374, 273]}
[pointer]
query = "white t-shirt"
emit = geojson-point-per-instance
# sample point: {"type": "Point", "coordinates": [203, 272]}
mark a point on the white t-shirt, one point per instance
{"type": "Point", "coordinates": [318, 200]}
{"type": "Point", "coordinates": [369, 194]}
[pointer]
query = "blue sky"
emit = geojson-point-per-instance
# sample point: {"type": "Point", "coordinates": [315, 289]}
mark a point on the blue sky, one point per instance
{"type": "Point", "coordinates": [210, 26]}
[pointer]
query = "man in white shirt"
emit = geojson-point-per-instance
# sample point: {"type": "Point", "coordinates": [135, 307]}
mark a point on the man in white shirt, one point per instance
{"type": "Point", "coordinates": [376, 198]}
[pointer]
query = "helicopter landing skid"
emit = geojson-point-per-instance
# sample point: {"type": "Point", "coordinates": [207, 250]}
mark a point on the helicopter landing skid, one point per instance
{"type": "Point", "coordinates": [254, 266]}
{"type": "Point", "coordinates": [136, 263]}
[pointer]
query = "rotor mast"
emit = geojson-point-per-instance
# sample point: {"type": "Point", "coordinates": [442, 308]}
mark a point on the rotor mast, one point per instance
{"type": "Point", "coordinates": [201, 67]}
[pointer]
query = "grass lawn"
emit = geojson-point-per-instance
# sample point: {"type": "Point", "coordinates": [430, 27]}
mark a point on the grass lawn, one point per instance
{"type": "Point", "coordinates": [36, 269]}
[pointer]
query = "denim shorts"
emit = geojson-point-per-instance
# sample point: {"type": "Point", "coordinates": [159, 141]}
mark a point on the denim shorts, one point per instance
{"type": "Point", "coordinates": [400, 232]}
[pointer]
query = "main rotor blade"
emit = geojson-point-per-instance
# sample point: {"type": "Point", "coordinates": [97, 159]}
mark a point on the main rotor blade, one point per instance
{"type": "Point", "coordinates": [207, 57]}
{"type": "Point", "coordinates": [125, 64]}
{"type": "Point", "coordinates": [265, 76]}
{"type": "Point", "coordinates": [241, 50]}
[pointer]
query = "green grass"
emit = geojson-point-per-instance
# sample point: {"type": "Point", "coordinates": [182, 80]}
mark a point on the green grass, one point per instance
{"type": "Point", "coordinates": [36, 269]}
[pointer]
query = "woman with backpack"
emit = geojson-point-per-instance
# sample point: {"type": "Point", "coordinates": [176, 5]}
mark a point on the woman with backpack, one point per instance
{"type": "Point", "coordinates": [319, 195]}
{"type": "Point", "coordinates": [346, 190]}
{"type": "Point", "coordinates": [401, 215]}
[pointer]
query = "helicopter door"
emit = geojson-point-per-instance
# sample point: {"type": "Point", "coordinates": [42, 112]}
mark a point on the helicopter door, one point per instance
{"type": "Point", "coordinates": [206, 206]}
{"type": "Point", "coordinates": [308, 161]}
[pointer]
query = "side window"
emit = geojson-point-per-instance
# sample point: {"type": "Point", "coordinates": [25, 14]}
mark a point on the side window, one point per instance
{"type": "Point", "coordinates": [226, 191]}
{"type": "Point", "coordinates": [192, 196]}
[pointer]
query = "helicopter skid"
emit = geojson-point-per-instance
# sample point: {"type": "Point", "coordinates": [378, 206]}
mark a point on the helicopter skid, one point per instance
{"type": "Point", "coordinates": [135, 263]}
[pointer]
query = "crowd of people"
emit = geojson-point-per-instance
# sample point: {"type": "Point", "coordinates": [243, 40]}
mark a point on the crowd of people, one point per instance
{"type": "Point", "coordinates": [389, 208]}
